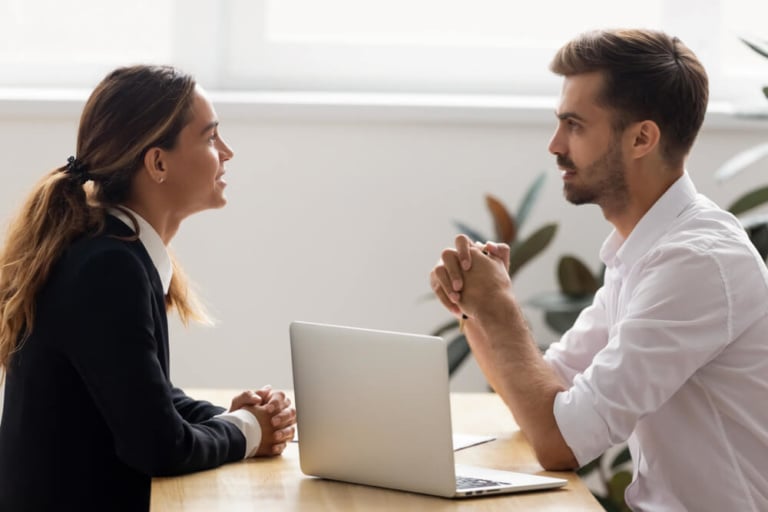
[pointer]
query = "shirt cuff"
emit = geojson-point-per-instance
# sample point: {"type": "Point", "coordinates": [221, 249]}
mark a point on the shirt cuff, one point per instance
{"type": "Point", "coordinates": [248, 425]}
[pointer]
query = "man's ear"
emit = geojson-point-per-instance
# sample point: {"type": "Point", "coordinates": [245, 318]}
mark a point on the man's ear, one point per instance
{"type": "Point", "coordinates": [153, 163]}
{"type": "Point", "coordinates": [646, 136]}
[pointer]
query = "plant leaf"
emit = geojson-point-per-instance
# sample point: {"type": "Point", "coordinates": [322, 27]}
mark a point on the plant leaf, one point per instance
{"type": "Point", "coordinates": [506, 229]}
{"type": "Point", "coordinates": [576, 280]}
{"type": "Point", "coordinates": [589, 467]}
{"type": "Point", "coordinates": [741, 161]}
{"type": "Point", "coordinates": [616, 487]}
{"type": "Point", "coordinates": [608, 504]}
{"type": "Point", "coordinates": [765, 92]}
{"type": "Point", "coordinates": [458, 350]}
{"type": "Point", "coordinates": [758, 235]}
{"type": "Point", "coordinates": [560, 321]}
{"type": "Point", "coordinates": [453, 324]}
{"type": "Point", "coordinates": [749, 200]}
{"type": "Point", "coordinates": [756, 226]}
{"type": "Point", "coordinates": [757, 45]}
{"type": "Point", "coordinates": [755, 220]}
{"type": "Point", "coordinates": [529, 199]}
{"type": "Point", "coordinates": [475, 236]}
{"type": "Point", "coordinates": [623, 457]}
{"type": "Point", "coordinates": [558, 302]}
{"type": "Point", "coordinates": [533, 245]}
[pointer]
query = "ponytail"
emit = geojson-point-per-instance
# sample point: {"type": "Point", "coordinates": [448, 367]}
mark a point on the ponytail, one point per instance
{"type": "Point", "coordinates": [55, 213]}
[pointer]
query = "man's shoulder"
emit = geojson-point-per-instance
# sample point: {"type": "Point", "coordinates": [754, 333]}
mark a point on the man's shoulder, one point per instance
{"type": "Point", "coordinates": [705, 236]}
{"type": "Point", "coordinates": [705, 226]}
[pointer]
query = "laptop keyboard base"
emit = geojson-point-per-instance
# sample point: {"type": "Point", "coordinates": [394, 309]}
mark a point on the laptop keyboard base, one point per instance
{"type": "Point", "coordinates": [464, 482]}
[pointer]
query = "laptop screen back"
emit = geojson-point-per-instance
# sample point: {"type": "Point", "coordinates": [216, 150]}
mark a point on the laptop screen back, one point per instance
{"type": "Point", "coordinates": [373, 407]}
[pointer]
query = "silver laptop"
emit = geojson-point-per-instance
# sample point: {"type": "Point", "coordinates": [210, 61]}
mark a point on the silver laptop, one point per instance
{"type": "Point", "coordinates": [373, 408]}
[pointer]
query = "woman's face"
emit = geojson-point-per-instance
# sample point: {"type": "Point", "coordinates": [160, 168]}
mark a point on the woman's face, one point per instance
{"type": "Point", "coordinates": [194, 168]}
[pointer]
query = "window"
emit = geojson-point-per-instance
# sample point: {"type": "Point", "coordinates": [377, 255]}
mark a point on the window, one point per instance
{"type": "Point", "coordinates": [427, 46]}
{"type": "Point", "coordinates": [73, 43]}
{"type": "Point", "coordinates": [458, 46]}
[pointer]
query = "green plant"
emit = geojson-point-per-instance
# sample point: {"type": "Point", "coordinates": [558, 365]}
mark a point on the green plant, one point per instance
{"type": "Point", "coordinates": [756, 225]}
{"type": "Point", "coordinates": [577, 287]}
{"type": "Point", "coordinates": [507, 228]}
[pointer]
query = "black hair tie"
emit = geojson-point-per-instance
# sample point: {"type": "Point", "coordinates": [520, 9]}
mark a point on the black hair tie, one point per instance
{"type": "Point", "coordinates": [77, 170]}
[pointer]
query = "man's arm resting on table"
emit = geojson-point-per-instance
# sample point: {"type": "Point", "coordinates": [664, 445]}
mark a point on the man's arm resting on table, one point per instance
{"type": "Point", "coordinates": [514, 367]}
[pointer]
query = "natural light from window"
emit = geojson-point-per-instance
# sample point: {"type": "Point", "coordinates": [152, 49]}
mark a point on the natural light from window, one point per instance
{"type": "Point", "coordinates": [425, 46]}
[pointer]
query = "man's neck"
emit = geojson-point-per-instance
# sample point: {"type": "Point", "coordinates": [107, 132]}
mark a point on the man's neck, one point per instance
{"type": "Point", "coordinates": [643, 194]}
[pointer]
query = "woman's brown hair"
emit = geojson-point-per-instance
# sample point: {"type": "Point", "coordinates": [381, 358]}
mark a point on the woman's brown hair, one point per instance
{"type": "Point", "coordinates": [132, 110]}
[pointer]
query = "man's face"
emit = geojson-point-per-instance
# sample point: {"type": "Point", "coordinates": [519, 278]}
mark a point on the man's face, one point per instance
{"type": "Point", "coordinates": [588, 150]}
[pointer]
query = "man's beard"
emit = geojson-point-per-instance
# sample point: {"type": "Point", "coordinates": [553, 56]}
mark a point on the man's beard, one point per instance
{"type": "Point", "coordinates": [611, 184]}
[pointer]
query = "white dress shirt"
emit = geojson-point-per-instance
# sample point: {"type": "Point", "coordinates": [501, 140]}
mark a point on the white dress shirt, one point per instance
{"type": "Point", "coordinates": [158, 253]}
{"type": "Point", "coordinates": [673, 356]}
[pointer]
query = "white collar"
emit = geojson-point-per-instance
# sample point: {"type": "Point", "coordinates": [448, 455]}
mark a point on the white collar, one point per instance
{"type": "Point", "coordinates": [152, 242]}
{"type": "Point", "coordinates": [617, 251]}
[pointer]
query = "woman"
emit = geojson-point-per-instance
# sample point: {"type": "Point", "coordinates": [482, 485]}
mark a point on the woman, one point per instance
{"type": "Point", "coordinates": [90, 413]}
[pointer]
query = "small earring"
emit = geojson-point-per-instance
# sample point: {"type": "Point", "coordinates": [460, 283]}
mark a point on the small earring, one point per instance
{"type": "Point", "coordinates": [160, 179]}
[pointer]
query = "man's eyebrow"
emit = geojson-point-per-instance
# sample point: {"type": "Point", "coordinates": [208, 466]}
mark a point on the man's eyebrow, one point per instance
{"type": "Point", "coordinates": [563, 116]}
{"type": "Point", "coordinates": [209, 126]}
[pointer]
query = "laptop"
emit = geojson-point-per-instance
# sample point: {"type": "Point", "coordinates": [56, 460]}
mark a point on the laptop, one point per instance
{"type": "Point", "coordinates": [373, 408]}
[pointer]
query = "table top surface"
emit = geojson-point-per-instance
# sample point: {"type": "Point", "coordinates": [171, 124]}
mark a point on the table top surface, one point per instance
{"type": "Point", "coordinates": [278, 484]}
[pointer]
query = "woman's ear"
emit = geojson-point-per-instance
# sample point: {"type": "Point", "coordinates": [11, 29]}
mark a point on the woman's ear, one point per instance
{"type": "Point", "coordinates": [153, 163]}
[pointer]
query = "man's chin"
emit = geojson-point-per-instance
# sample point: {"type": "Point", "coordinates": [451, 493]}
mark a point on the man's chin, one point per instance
{"type": "Point", "coordinates": [577, 197]}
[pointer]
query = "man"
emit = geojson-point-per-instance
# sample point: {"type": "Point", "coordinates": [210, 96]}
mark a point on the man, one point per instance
{"type": "Point", "coordinates": [672, 356]}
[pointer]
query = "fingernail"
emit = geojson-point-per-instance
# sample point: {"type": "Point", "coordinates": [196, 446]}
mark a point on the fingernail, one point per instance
{"type": "Point", "coordinates": [454, 297]}
{"type": "Point", "coordinates": [465, 264]}
{"type": "Point", "coordinates": [457, 284]}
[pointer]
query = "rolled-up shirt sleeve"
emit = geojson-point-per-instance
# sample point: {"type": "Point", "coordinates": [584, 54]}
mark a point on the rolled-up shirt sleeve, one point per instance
{"type": "Point", "coordinates": [581, 424]}
{"type": "Point", "coordinates": [673, 315]}
{"type": "Point", "coordinates": [573, 354]}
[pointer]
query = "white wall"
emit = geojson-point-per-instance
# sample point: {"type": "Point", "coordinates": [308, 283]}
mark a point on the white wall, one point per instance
{"type": "Point", "coordinates": [338, 219]}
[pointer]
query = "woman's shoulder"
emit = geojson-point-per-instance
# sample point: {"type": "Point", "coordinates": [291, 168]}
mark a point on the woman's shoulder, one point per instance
{"type": "Point", "coordinates": [96, 265]}
{"type": "Point", "coordinates": [110, 249]}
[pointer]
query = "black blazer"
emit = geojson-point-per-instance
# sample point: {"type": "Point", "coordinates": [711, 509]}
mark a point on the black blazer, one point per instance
{"type": "Point", "coordinates": [90, 413]}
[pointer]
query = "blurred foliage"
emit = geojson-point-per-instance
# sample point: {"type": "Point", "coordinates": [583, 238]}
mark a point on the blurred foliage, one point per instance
{"type": "Point", "coordinates": [756, 225]}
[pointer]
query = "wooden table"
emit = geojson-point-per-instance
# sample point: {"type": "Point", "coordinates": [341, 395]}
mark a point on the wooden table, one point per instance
{"type": "Point", "coordinates": [277, 484]}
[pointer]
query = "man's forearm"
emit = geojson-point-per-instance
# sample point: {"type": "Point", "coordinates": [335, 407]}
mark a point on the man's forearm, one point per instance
{"type": "Point", "coordinates": [514, 367]}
